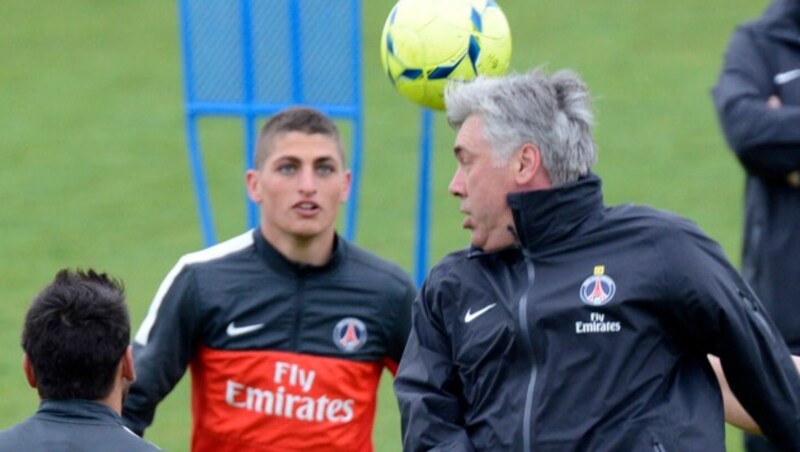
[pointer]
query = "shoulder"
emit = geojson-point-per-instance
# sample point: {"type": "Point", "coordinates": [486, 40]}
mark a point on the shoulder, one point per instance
{"type": "Point", "coordinates": [228, 249]}
{"type": "Point", "coordinates": [110, 434]}
{"type": "Point", "coordinates": [134, 443]}
{"type": "Point", "coordinates": [759, 32]}
{"type": "Point", "coordinates": [457, 266]}
{"type": "Point", "coordinates": [38, 434]}
{"type": "Point", "coordinates": [452, 262]}
{"type": "Point", "coordinates": [651, 221]}
{"type": "Point", "coordinates": [371, 265]}
{"type": "Point", "coordinates": [671, 236]}
{"type": "Point", "coordinates": [13, 436]}
{"type": "Point", "coordinates": [116, 437]}
{"type": "Point", "coordinates": [210, 260]}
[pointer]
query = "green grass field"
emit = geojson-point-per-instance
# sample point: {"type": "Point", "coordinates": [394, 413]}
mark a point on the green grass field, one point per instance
{"type": "Point", "coordinates": [93, 168]}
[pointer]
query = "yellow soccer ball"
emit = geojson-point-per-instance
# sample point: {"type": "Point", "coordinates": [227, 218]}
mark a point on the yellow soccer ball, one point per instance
{"type": "Point", "coordinates": [428, 43]}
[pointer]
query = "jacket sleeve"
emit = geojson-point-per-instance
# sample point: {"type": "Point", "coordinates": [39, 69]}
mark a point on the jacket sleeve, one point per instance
{"type": "Point", "coordinates": [722, 316]}
{"type": "Point", "coordinates": [766, 140]}
{"type": "Point", "coordinates": [401, 326]}
{"type": "Point", "coordinates": [162, 347]}
{"type": "Point", "coordinates": [427, 384]}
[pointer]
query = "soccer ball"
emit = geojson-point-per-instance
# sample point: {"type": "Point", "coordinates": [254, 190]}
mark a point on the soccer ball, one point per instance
{"type": "Point", "coordinates": [427, 43]}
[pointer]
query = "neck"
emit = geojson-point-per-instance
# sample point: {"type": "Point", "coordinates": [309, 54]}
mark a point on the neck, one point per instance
{"type": "Point", "coordinates": [114, 399]}
{"type": "Point", "coordinates": [316, 250]}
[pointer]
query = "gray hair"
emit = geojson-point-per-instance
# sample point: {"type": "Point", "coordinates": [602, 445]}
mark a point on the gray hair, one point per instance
{"type": "Point", "coordinates": [553, 112]}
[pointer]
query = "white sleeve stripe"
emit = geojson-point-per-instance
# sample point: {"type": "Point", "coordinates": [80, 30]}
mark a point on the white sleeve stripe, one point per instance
{"type": "Point", "coordinates": [215, 252]}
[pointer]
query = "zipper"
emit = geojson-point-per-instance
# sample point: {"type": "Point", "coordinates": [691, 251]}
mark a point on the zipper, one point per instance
{"type": "Point", "coordinates": [527, 428]}
{"type": "Point", "coordinates": [657, 447]}
{"type": "Point", "coordinates": [298, 313]}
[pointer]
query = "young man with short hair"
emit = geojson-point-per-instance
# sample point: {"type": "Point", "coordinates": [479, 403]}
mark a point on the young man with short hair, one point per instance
{"type": "Point", "coordinates": [286, 328]}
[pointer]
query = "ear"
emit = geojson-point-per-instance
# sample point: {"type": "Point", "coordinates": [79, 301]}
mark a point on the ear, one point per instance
{"type": "Point", "coordinates": [252, 182]}
{"type": "Point", "coordinates": [27, 367]}
{"type": "Point", "coordinates": [348, 182]}
{"type": "Point", "coordinates": [126, 365]}
{"type": "Point", "coordinates": [528, 164]}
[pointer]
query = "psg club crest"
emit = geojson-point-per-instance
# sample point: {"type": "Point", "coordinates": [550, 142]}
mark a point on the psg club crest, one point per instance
{"type": "Point", "coordinates": [350, 334]}
{"type": "Point", "coordinates": [599, 288]}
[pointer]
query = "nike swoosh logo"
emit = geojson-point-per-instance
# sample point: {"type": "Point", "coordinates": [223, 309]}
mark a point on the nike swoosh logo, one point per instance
{"type": "Point", "coordinates": [234, 330]}
{"type": "Point", "coordinates": [474, 315]}
{"type": "Point", "coordinates": [786, 77]}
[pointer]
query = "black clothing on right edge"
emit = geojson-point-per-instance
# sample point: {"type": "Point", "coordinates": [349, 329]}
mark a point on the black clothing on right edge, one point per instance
{"type": "Point", "coordinates": [763, 60]}
{"type": "Point", "coordinates": [591, 336]}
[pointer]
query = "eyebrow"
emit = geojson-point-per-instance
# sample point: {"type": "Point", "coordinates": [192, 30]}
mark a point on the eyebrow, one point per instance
{"type": "Point", "coordinates": [324, 160]}
{"type": "Point", "coordinates": [286, 158]}
{"type": "Point", "coordinates": [294, 159]}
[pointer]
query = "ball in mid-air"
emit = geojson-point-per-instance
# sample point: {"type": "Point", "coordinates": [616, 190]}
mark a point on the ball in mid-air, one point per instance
{"type": "Point", "coordinates": [427, 43]}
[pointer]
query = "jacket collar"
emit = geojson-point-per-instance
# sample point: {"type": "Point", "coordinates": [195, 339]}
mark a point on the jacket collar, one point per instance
{"type": "Point", "coordinates": [78, 410]}
{"type": "Point", "coordinates": [279, 262]}
{"type": "Point", "coordinates": [546, 217]}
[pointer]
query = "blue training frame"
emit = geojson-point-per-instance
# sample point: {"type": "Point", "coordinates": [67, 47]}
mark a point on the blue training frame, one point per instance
{"type": "Point", "coordinates": [249, 109]}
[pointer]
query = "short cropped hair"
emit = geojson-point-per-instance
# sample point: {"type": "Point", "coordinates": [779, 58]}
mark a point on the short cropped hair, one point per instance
{"type": "Point", "coordinates": [76, 331]}
{"type": "Point", "coordinates": [551, 111]}
{"type": "Point", "coordinates": [296, 119]}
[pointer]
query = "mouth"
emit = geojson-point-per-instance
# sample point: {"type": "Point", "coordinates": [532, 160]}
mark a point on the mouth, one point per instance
{"type": "Point", "coordinates": [467, 223]}
{"type": "Point", "coordinates": [306, 208]}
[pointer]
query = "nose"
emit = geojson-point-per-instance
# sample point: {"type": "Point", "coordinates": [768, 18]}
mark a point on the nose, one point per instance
{"type": "Point", "coordinates": [457, 187]}
{"type": "Point", "coordinates": [308, 181]}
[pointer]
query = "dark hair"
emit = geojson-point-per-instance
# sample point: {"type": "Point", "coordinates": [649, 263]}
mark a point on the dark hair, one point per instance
{"type": "Point", "coordinates": [76, 331]}
{"type": "Point", "coordinates": [296, 119]}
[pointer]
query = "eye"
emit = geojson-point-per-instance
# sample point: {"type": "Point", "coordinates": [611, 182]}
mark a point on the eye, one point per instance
{"type": "Point", "coordinates": [461, 157]}
{"type": "Point", "coordinates": [286, 168]}
{"type": "Point", "coordinates": [326, 169]}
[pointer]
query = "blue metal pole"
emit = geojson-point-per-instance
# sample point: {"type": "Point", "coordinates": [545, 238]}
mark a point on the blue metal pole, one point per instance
{"type": "Point", "coordinates": [350, 225]}
{"type": "Point", "coordinates": [424, 193]}
{"type": "Point", "coordinates": [249, 96]}
{"type": "Point", "coordinates": [195, 157]}
{"type": "Point", "coordinates": [297, 48]}
{"type": "Point", "coordinates": [200, 188]}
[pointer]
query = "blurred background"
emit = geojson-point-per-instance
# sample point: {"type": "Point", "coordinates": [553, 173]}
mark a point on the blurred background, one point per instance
{"type": "Point", "coordinates": [94, 173]}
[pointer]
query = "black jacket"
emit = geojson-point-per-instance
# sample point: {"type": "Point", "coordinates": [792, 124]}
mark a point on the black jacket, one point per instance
{"type": "Point", "coordinates": [283, 355]}
{"type": "Point", "coordinates": [763, 60]}
{"type": "Point", "coordinates": [590, 337]}
{"type": "Point", "coordinates": [72, 426]}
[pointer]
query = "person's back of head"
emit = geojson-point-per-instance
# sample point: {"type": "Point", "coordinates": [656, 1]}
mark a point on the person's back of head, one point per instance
{"type": "Point", "coordinates": [551, 111]}
{"type": "Point", "coordinates": [76, 333]}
